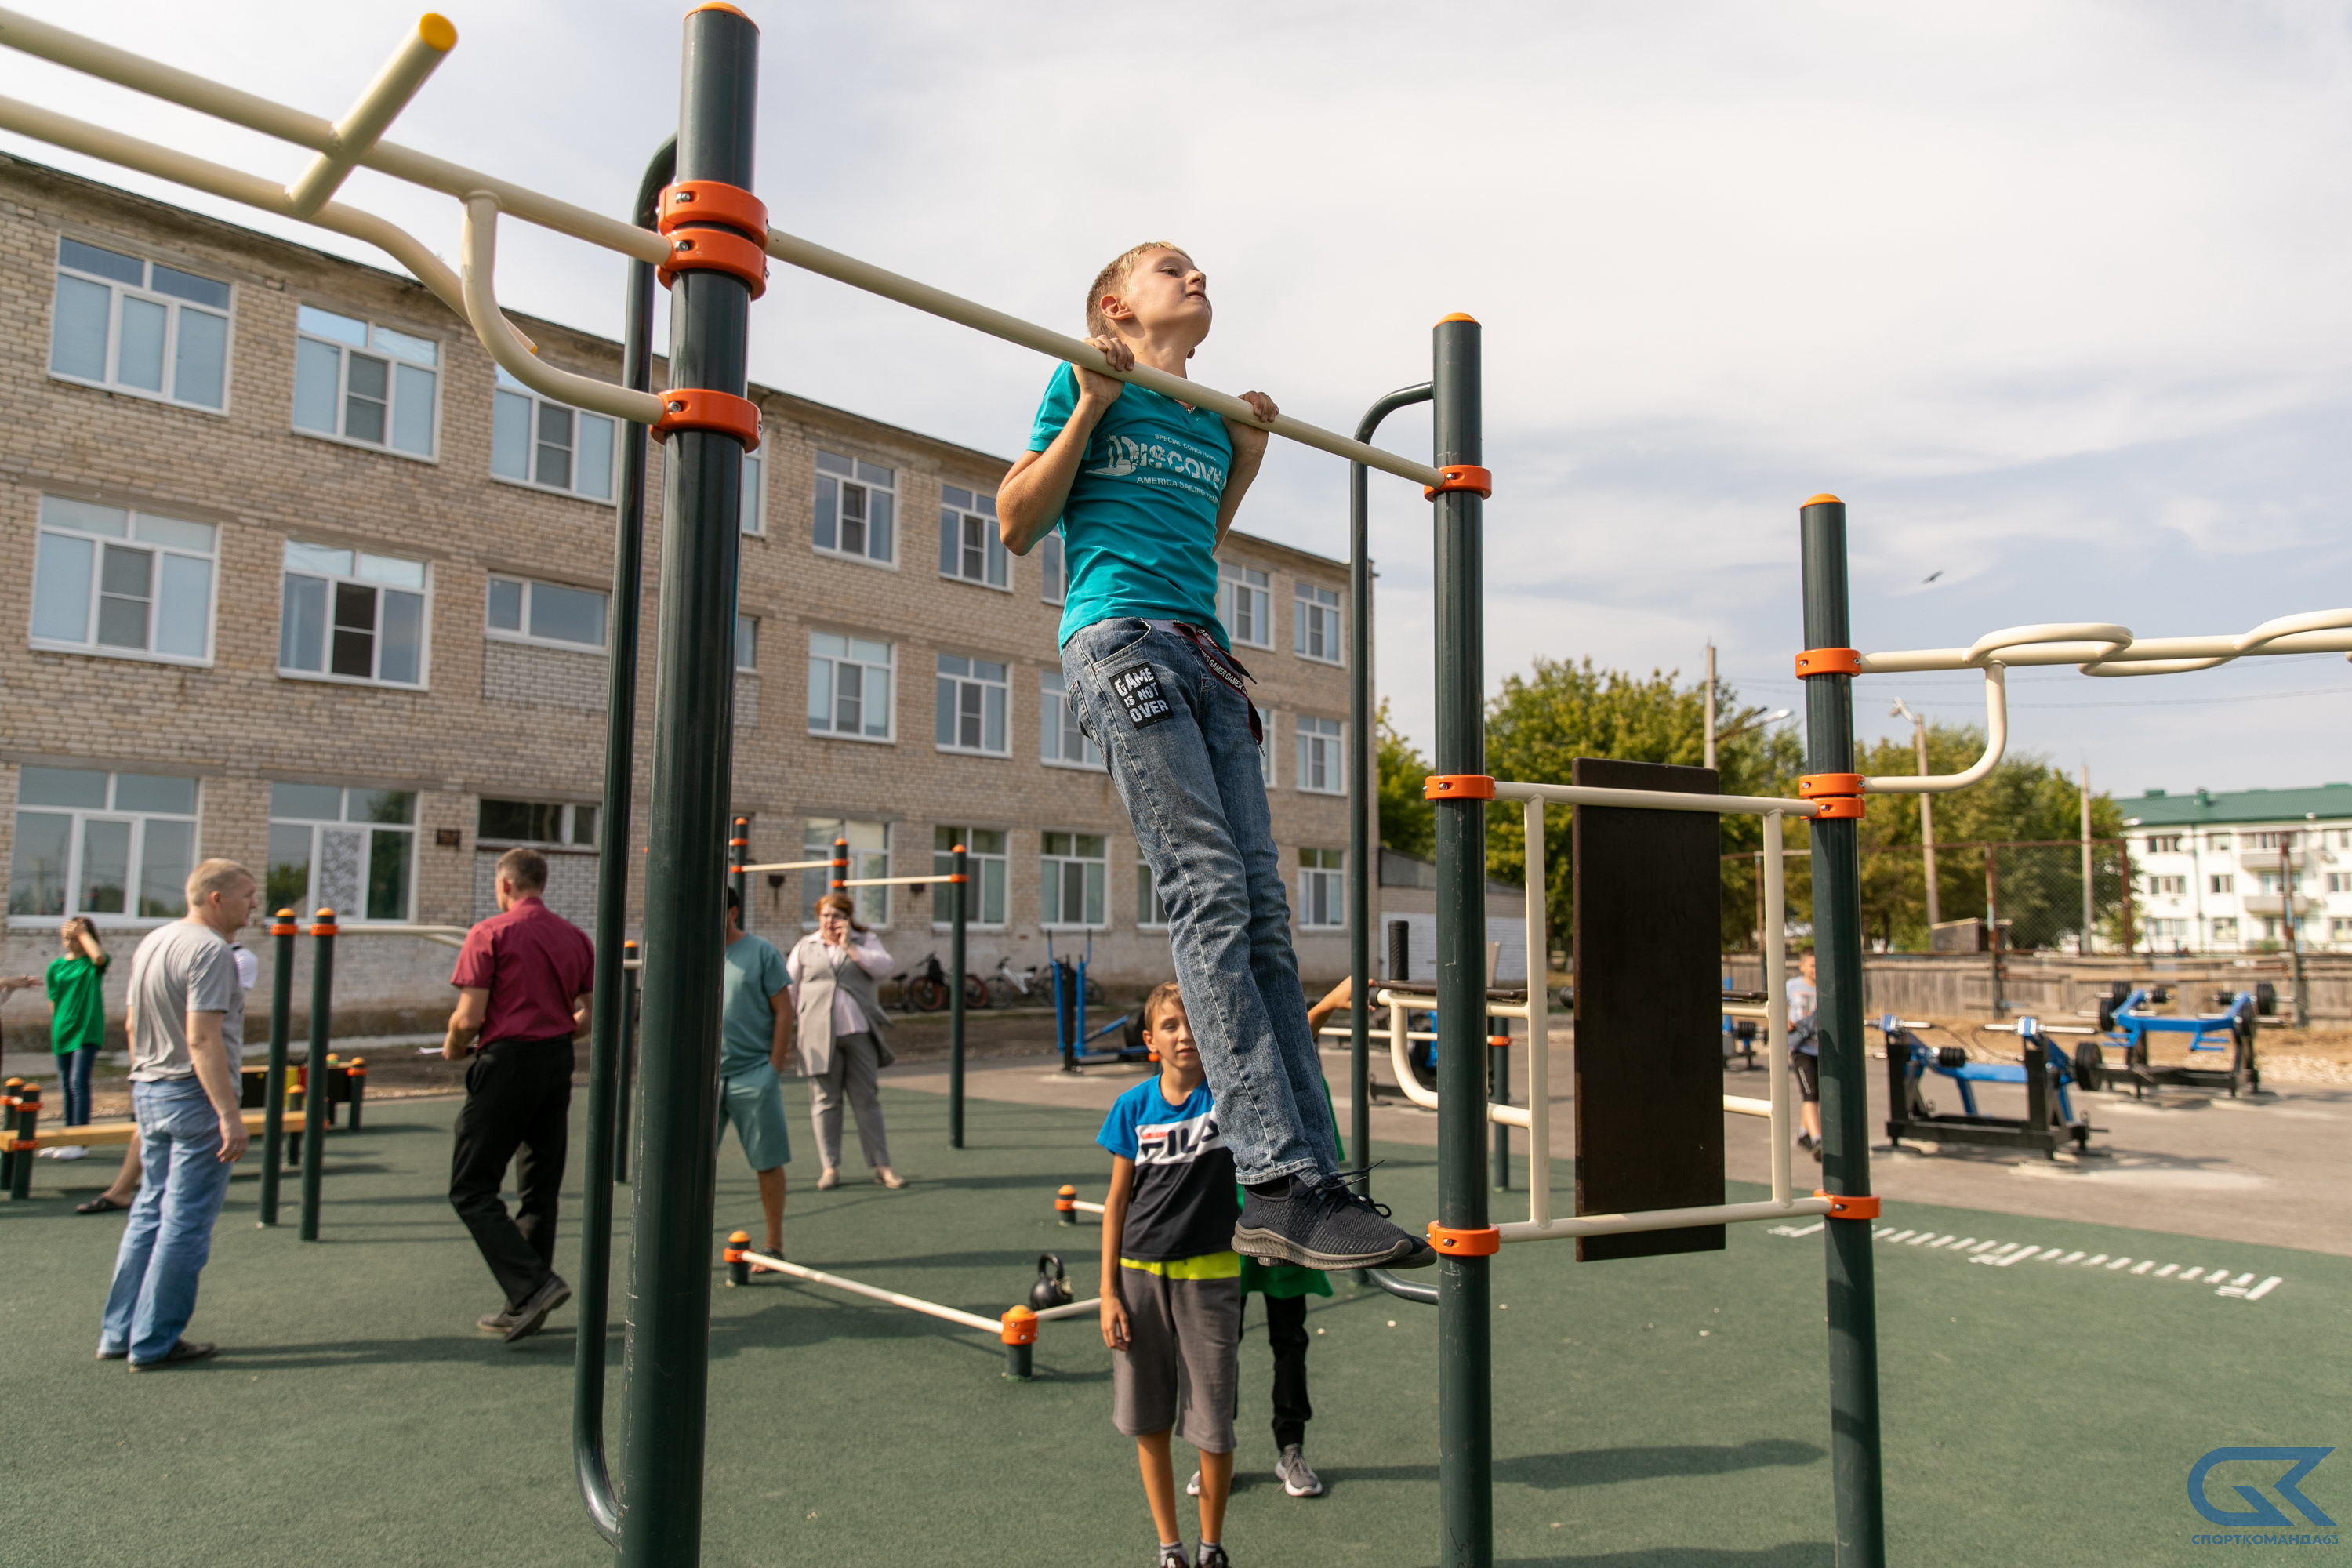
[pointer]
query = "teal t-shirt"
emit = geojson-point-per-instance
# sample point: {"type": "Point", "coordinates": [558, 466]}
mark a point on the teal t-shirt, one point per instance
{"type": "Point", "coordinates": [1141, 526]}
{"type": "Point", "coordinates": [755, 972]}
{"type": "Point", "coordinates": [77, 1002]}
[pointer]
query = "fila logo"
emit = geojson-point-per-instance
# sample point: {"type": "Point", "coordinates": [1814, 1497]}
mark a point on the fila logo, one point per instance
{"type": "Point", "coordinates": [1176, 1142]}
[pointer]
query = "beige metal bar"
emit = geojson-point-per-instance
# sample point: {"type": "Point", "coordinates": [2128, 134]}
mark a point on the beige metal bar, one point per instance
{"type": "Point", "coordinates": [1536, 929]}
{"type": "Point", "coordinates": [419, 54]}
{"type": "Point", "coordinates": [196, 174]}
{"type": "Point", "coordinates": [1653, 799]}
{"type": "Point", "coordinates": [912, 1303]}
{"type": "Point", "coordinates": [1996, 742]}
{"type": "Point", "coordinates": [1662, 1219]}
{"type": "Point", "coordinates": [890, 881]}
{"type": "Point", "coordinates": [786, 865]}
{"type": "Point", "coordinates": [78, 52]}
{"type": "Point", "coordinates": [813, 258]}
{"type": "Point", "coordinates": [448, 936]}
{"type": "Point", "coordinates": [2103, 648]}
{"type": "Point", "coordinates": [1773, 940]}
{"type": "Point", "coordinates": [1746, 1105]}
{"type": "Point", "coordinates": [480, 249]}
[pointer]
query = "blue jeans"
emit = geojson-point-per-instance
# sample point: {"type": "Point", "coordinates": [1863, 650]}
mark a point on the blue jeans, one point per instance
{"type": "Point", "coordinates": [169, 1234]}
{"type": "Point", "coordinates": [1176, 734]}
{"type": "Point", "coordinates": [73, 1071]}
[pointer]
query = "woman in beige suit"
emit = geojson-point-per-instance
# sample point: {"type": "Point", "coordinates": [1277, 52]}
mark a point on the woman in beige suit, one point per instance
{"type": "Point", "coordinates": [842, 1045]}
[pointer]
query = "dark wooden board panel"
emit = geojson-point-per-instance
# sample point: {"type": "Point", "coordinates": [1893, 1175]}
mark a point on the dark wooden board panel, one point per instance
{"type": "Point", "coordinates": [1649, 1056]}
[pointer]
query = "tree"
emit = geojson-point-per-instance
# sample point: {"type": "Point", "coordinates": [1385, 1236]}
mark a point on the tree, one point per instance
{"type": "Point", "coordinates": [1408, 821]}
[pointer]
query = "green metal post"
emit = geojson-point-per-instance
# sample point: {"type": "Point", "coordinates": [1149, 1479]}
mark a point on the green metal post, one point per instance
{"type": "Point", "coordinates": [668, 1394]}
{"type": "Point", "coordinates": [1363, 853]}
{"type": "Point", "coordinates": [613, 1011]}
{"type": "Point", "coordinates": [739, 854]}
{"type": "Point", "coordinates": [1464, 1291]}
{"type": "Point", "coordinates": [282, 932]}
{"type": "Point", "coordinates": [315, 1093]}
{"type": "Point", "coordinates": [958, 889]}
{"type": "Point", "coordinates": [1855, 1460]}
{"type": "Point", "coordinates": [29, 1126]}
{"type": "Point", "coordinates": [1498, 1059]}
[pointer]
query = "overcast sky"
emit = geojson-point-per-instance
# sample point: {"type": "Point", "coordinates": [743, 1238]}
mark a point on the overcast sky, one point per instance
{"type": "Point", "coordinates": [2053, 295]}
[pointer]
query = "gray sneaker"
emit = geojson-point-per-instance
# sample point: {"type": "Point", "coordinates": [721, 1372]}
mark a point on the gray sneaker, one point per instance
{"type": "Point", "coordinates": [1322, 1223]}
{"type": "Point", "coordinates": [1297, 1476]}
{"type": "Point", "coordinates": [1210, 1557]}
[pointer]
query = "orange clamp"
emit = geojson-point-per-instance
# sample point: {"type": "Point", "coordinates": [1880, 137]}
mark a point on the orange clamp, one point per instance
{"type": "Point", "coordinates": [737, 1243]}
{"type": "Point", "coordinates": [1457, 787]}
{"type": "Point", "coordinates": [1018, 1327]}
{"type": "Point", "coordinates": [700, 408]}
{"type": "Point", "coordinates": [1850, 1205]}
{"type": "Point", "coordinates": [1829, 661]}
{"type": "Point", "coordinates": [1066, 1200]}
{"type": "Point", "coordinates": [1838, 808]}
{"type": "Point", "coordinates": [716, 250]}
{"type": "Point", "coordinates": [711, 201]}
{"type": "Point", "coordinates": [1498, 1041]}
{"type": "Point", "coordinates": [1812, 787]}
{"type": "Point", "coordinates": [1476, 1243]}
{"type": "Point", "coordinates": [323, 923]}
{"type": "Point", "coordinates": [1460, 476]}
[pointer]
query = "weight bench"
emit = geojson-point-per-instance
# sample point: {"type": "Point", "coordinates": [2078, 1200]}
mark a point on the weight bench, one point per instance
{"type": "Point", "coordinates": [2046, 1074]}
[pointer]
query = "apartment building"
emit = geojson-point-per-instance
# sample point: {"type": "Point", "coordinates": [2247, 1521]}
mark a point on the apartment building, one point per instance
{"type": "Point", "coordinates": [304, 580]}
{"type": "Point", "coordinates": [2226, 872]}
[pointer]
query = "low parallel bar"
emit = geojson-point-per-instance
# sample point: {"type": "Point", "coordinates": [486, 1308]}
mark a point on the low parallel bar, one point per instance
{"type": "Point", "coordinates": [1661, 1219]}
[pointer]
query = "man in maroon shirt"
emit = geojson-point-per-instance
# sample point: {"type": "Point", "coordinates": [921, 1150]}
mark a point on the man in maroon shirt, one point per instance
{"type": "Point", "coordinates": [523, 980]}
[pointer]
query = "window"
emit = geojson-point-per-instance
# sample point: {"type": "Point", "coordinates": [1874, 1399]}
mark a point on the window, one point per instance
{"type": "Point", "coordinates": [983, 858]}
{"type": "Point", "coordinates": [1322, 889]}
{"type": "Point", "coordinates": [971, 702]}
{"type": "Point", "coordinates": [857, 502]}
{"type": "Point", "coordinates": [2169, 931]}
{"type": "Point", "coordinates": [1052, 568]}
{"type": "Point", "coordinates": [2163, 843]}
{"type": "Point", "coordinates": [869, 856]}
{"type": "Point", "coordinates": [535, 822]}
{"type": "Point", "coordinates": [2267, 882]}
{"type": "Point", "coordinates": [2219, 841]}
{"type": "Point", "coordinates": [849, 687]}
{"type": "Point", "coordinates": [1321, 766]}
{"type": "Point", "coordinates": [351, 616]}
{"type": "Point", "coordinates": [92, 843]}
{"type": "Point", "coordinates": [754, 516]}
{"type": "Point", "coordinates": [1072, 869]}
{"type": "Point", "coordinates": [2168, 885]}
{"type": "Point", "coordinates": [1060, 741]}
{"type": "Point", "coordinates": [2340, 930]}
{"type": "Point", "coordinates": [1151, 911]}
{"type": "Point", "coordinates": [535, 440]}
{"type": "Point", "coordinates": [1246, 605]}
{"type": "Point", "coordinates": [358, 382]}
{"type": "Point", "coordinates": [2339, 882]}
{"type": "Point", "coordinates": [970, 547]}
{"type": "Point", "coordinates": [2225, 929]}
{"type": "Point", "coordinates": [1314, 623]}
{"type": "Point", "coordinates": [526, 611]}
{"type": "Point", "coordinates": [123, 583]}
{"type": "Point", "coordinates": [138, 326]}
{"type": "Point", "coordinates": [747, 646]}
{"type": "Point", "coordinates": [349, 850]}
{"type": "Point", "coordinates": [2220, 884]}
{"type": "Point", "coordinates": [1265, 744]}
{"type": "Point", "coordinates": [2270, 840]}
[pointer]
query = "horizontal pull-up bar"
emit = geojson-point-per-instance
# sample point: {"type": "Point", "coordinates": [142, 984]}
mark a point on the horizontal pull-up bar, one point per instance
{"type": "Point", "coordinates": [785, 865]}
{"type": "Point", "coordinates": [2100, 647]}
{"type": "Point", "coordinates": [893, 881]}
{"type": "Point", "coordinates": [1654, 799]}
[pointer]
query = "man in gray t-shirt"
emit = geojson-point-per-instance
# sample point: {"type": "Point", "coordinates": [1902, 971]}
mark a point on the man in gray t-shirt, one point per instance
{"type": "Point", "coordinates": [186, 1025]}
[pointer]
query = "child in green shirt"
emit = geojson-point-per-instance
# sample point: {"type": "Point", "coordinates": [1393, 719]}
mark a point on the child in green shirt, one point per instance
{"type": "Point", "coordinates": [76, 981]}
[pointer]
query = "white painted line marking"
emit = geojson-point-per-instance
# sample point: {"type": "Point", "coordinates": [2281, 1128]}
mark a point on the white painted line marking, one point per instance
{"type": "Point", "coordinates": [2049, 1253]}
{"type": "Point", "coordinates": [1964, 1244]}
{"type": "Point", "coordinates": [1899, 1236]}
{"type": "Point", "coordinates": [2167, 1268]}
{"type": "Point", "coordinates": [2118, 1263]}
{"type": "Point", "coordinates": [2094, 1262]}
{"type": "Point", "coordinates": [2070, 1257]}
{"type": "Point", "coordinates": [2022, 1254]}
{"type": "Point", "coordinates": [2263, 1290]}
{"type": "Point", "coordinates": [2217, 1277]}
{"type": "Point", "coordinates": [1986, 1245]}
{"type": "Point", "coordinates": [1922, 1236]}
{"type": "Point", "coordinates": [2144, 1266]}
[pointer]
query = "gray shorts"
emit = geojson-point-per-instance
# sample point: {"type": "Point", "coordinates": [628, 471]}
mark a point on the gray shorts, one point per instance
{"type": "Point", "coordinates": [1179, 1368]}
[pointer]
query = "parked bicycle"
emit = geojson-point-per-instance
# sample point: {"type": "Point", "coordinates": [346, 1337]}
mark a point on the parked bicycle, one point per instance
{"type": "Point", "coordinates": [1008, 989]}
{"type": "Point", "coordinates": [927, 991]}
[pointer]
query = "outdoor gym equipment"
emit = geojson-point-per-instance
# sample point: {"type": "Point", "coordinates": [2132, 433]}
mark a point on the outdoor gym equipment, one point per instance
{"type": "Point", "coordinates": [2045, 1071]}
{"type": "Point", "coordinates": [2129, 1022]}
{"type": "Point", "coordinates": [701, 227]}
{"type": "Point", "coordinates": [1071, 1036]}
{"type": "Point", "coordinates": [1015, 1329]}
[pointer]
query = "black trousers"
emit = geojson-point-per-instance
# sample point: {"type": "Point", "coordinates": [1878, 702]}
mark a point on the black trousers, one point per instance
{"type": "Point", "coordinates": [518, 1109]}
{"type": "Point", "coordinates": [1286, 1331]}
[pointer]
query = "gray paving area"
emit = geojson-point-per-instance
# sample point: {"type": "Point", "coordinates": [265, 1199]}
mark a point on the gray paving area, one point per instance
{"type": "Point", "coordinates": [2267, 1169]}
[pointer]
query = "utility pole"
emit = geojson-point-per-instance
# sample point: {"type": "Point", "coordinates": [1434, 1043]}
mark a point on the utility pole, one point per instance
{"type": "Point", "coordinates": [1926, 811]}
{"type": "Point", "coordinates": [2083, 776]}
{"type": "Point", "coordinates": [2287, 918]}
{"type": "Point", "coordinates": [1710, 702]}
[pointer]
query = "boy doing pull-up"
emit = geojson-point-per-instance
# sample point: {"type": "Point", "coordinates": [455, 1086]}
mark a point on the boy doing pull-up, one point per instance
{"type": "Point", "coordinates": [1143, 488]}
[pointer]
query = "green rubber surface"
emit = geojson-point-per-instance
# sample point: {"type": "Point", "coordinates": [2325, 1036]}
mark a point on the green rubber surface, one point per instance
{"type": "Point", "coordinates": [1660, 1411]}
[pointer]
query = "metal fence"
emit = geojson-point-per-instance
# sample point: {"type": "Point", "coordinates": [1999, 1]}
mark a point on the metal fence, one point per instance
{"type": "Point", "coordinates": [2027, 896]}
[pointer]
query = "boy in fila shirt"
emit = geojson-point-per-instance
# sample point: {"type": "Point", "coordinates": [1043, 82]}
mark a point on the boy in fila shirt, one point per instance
{"type": "Point", "coordinates": [1143, 488]}
{"type": "Point", "coordinates": [1171, 1298]}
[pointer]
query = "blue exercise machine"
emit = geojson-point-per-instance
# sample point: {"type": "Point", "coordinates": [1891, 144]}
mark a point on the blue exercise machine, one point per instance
{"type": "Point", "coordinates": [2046, 1073]}
{"type": "Point", "coordinates": [2126, 1018]}
{"type": "Point", "coordinates": [1071, 1036]}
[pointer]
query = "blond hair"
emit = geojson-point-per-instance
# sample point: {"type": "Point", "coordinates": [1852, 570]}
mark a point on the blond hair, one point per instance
{"type": "Point", "coordinates": [846, 904]}
{"type": "Point", "coordinates": [1165, 994]}
{"type": "Point", "coordinates": [1113, 278]}
{"type": "Point", "coordinates": [212, 876]}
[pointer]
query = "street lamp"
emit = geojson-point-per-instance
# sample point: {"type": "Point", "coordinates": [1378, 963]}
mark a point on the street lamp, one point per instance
{"type": "Point", "coordinates": [1926, 811]}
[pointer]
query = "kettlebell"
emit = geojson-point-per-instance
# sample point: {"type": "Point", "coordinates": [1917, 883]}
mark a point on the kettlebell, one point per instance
{"type": "Point", "coordinates": [1053, 1287]}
